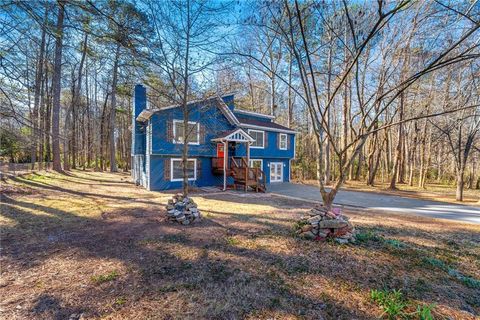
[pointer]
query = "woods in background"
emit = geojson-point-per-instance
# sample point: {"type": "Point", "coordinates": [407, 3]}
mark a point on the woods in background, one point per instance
{"type": "Point", "coordinates": [378, 91]}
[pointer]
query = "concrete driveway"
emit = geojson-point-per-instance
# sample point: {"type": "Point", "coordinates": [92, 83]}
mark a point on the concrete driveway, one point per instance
{"type": "Point", "coordinates": [375, 201]}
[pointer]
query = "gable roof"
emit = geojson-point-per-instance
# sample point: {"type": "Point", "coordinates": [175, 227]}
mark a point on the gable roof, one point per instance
{"type": "Point", "coordinates": [146, 114]}
{"type": "Point", "coordinates": [234, 135]}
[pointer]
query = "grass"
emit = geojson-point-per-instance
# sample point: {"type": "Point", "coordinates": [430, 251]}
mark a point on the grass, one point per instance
{"type": "Point", "coordinates": [93, 243]}
{"type": "Point", "coordinates": [466, 280]}
{"type": "Point", "coordinates": [394, 305]}
{"type": "Point", "coordinates": [102, 278]}
{"type": "Point", "coordinates": [392, 302]}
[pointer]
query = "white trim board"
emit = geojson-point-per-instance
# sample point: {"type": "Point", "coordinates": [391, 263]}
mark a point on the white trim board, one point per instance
{"type": "Point", "coordinates": [264, 137]}
{"type": "Point", "coordinates": [181, 179]}
{"type": "Point", "coordinates": [175, 121]}
{"type": "Point", "coordinates": [280, 135]}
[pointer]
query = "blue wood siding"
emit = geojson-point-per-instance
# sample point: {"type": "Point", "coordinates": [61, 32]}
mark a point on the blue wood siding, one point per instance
{"type": "Point", "coordinates": [204, 174]}
{"type": "Point", "coordinates": [286, 168]}
{"type": "Point", "coordinates": [209, 117]}
{"type": "Point", "coordinates": [271, 149]}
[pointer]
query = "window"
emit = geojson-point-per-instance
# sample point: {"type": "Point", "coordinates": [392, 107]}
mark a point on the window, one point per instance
{"type": "Point", "coordinates": [282, 142]}
{"type": "Point", "coordinates": [259, 137]}
{"type": "Point", "coordinates": [176, 169]}
{"type": "Point", "coordinates": [193, 132]}
{"type": "Point", "coordinates": [256, 163]}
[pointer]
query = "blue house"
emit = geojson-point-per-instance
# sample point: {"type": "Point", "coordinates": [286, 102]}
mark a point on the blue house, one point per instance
{"type": "Point", "coordinates": [227, 147]}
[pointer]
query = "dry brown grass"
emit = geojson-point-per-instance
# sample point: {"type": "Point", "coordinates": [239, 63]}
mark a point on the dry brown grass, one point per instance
{"type": "Point", "coordinates": [93, 243]}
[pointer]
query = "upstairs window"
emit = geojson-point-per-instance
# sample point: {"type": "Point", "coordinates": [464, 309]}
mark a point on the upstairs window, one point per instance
{"type": "Point", "coordinates": [259, 137]}
{"type": "Point", "coordinates": [193, 132]}
{"type": "Point", "coordinates": [282, 141]}
{"type": "Point", "coordinates": [176, 168]}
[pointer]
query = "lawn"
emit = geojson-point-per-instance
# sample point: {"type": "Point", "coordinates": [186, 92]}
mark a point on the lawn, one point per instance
{"type": "Point", "coordinates": [93, 245]}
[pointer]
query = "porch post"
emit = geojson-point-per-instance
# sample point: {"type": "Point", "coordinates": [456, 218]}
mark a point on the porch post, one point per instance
{"type": "Point", "coordinates": [248, 154]}
{"type": "Point", "coordinates": [225, 159]}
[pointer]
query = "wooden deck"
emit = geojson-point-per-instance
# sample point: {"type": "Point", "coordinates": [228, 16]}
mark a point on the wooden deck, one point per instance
{"type": "Point", "coordinates": [245, 177]}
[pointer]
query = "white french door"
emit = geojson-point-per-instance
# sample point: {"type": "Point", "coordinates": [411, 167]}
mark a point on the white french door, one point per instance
{"type": "Point", "coordinates": [276, 172]}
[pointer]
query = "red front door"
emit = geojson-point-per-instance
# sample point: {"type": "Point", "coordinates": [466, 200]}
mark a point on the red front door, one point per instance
{"type": "Point", "coordinates": [220, 150]}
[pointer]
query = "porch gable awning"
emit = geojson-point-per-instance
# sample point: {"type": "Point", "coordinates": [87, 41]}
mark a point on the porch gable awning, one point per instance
{"type": "Point", "coordinates": [236, 135]}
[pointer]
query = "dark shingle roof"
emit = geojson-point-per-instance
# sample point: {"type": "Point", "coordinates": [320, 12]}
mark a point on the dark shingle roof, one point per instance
{"type": "Point", "coordinates": [265, 124]}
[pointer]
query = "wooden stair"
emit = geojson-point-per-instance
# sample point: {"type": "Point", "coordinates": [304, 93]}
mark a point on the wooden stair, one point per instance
{"type": "Point", "coordinates": [244, 177]}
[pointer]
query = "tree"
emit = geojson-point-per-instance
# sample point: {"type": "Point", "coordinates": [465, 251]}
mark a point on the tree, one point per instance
{"type": "Point", "coordinates": [185, 36]}
{"type": "Point", "coordinates": [57, 74]}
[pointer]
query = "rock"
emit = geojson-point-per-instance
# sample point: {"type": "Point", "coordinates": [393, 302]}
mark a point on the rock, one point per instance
{"type": "Point", "coordinates": [314, 220]}
{"type": "Point", "coordinates": [182, 210]}
{"type": "Point", "coordinates": [342, 231]}
{"type": "Point", "coordinates": [316, 212]}
{"type": "Point", "coordinates": [177, 213]}
{"type": "Point", "coordinates": [347, 236]}
{"type": "Point", "coordinates": [333, 224]}
{"type": "Point", "coordinates": [307, 227]}
{"type": "Point", "coordinates": [331, 215]}
{"type": "Point", "coordinates": [341, 241]}
{"type": "Point", "coordinates": [323, 233]}
{"type": "Point", "coordinates": [309, 235]}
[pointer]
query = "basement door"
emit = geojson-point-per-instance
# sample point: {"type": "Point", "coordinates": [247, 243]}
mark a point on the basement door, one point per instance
{"type": "Point", "coordinates": [276, 172]}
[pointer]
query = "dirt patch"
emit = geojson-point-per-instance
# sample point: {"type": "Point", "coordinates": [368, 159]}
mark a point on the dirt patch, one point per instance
{"type": "Point", "coordinates": [93, 245]}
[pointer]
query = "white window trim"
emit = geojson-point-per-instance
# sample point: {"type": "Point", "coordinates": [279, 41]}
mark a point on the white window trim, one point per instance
{"type": "Point", "coordinates": [264, 135]}
{"type": "Point", "coordinates": [280, 135]}
{"type": "Point", "coordinates": [181, 179]}
{"type": "Point", "coordinates": [189, 122]}
{"type": "Point", "coordinates": [261, 161]}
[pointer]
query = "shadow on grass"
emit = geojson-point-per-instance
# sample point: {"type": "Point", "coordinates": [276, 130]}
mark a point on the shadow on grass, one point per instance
{"type": "Point", "coordinates": [227, 289]}
{"type": "Point", "coordinates": [220, 280]}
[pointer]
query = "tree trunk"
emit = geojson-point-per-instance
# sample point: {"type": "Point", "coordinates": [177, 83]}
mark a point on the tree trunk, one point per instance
{"type": "Point", "coordinates": [36, 98]}
{"type": "Point", "coordinates": [460, 184]}
{"type": "Point", "coordinates": [57, 73]}
{"type": "Point", "coordinates": [113, 162]}
{"type": "Point", "coordinates": [186, 79]}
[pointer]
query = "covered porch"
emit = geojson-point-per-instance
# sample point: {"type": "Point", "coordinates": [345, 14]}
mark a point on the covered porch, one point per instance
{"type": "Point", "coordinates": [230, 163]}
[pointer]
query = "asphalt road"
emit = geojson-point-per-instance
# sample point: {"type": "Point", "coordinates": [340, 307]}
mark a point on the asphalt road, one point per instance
{"type": "Point", "coordinates": [375, 201]}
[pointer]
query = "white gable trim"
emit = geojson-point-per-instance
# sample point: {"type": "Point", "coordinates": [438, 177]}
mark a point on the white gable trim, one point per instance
{"type": "Point", "coordinates": [238, 136]}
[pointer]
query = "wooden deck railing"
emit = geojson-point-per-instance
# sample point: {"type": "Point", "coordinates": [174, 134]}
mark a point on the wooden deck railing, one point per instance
{"type": "Point", "coordinates": [242, 174]}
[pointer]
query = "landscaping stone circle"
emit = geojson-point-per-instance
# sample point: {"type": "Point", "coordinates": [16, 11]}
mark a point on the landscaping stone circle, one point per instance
{"type": "Point", "coordinates": [182, 210]}
{"type": "Point", "coordinates": [322, 224]}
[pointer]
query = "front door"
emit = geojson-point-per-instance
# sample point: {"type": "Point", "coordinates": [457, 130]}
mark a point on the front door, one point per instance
{"type": "Point", "coordinates": [220, 150]}
{"type": "Point", "coordinates": [276, 172]}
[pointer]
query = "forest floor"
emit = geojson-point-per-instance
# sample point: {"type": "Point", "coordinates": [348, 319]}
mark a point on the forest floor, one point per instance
{"type": "Point", "coordinates": [433, 191]}
{"type": "Point", "coordinates": [93, 245]}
